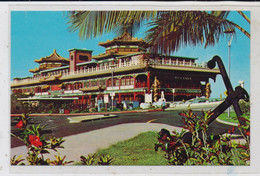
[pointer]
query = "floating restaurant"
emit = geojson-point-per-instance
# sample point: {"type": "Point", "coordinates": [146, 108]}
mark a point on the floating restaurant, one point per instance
{"type": "Point", "coordinates": [125, 72]}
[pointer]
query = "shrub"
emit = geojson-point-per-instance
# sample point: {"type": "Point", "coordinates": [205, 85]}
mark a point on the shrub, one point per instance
{"type": "Point", "coordinates": [75, 111]}
{"type": "Point", "coordinates": [37, 145]}
{"type": "Point", "coordinates": [245, 106]}
{"type": "Point", "coordinates": [92, 160]}
{"type": "Point", "coordinates": [193, 146]}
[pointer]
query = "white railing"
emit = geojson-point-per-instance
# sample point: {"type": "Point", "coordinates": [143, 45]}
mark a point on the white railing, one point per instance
{"type": "Point", "coordinates": [127, 87]}
{"type": "Point", "coordinates": [177, 63]}
{"type": "Point", "coordinates": [113, 88]}
{"type": "Point", "coordinates": [109, 67]}
{"type": "Point", "coordinates": [42, 93]}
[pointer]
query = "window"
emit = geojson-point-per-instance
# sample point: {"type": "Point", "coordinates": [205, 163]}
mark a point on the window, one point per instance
{"type": "Point", "coordinates": [102, 82]}
{"type": "Point", "coordinates": [117, 82]}
{"type": "Point", "coordinates": [132, 81]}
{"type": "Point", "coordinates": [123, 81]}
{"type": "Point", "coordinates": [86, 84]}
{"type": "Point", "coordinates": [93, 83]}
{"type": "Point", "coordinates": [83, 58]}
{"type": "Point", "coordinates": [127, 81]}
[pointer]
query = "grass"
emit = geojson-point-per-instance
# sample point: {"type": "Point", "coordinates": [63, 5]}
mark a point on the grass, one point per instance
{"type": "Point", "coordinates": [233, 117]}
{"type": "Point", "coordinates": [136, 151]}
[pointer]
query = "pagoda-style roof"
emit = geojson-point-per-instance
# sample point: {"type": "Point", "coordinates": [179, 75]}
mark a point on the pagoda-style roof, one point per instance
{"type": "Point", "coordinates": [125, 39]}
{"type": "Point", "coordinates": [54, 57]}
{"type": "Point", "coordinates": [34, 70]}
{"type": "Point", "coordinates": [111, 55]}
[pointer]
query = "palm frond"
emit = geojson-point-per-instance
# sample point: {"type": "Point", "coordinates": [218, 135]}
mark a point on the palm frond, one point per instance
{"type": "Point", "coordinates": [94, 23]}
{"type": "Point", "coordinates": [174, 29]}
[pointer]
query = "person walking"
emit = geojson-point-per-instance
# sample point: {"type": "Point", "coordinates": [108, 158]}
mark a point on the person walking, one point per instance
{"type": "Point", "coordinates": [163, 105]}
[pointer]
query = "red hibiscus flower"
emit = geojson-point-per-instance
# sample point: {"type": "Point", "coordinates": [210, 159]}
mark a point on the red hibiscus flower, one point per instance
{"type": "Point", "coordinates": [19, 124]}
{"type": "Point", "coordinates": [231, 131]}
{"type": "Point", "coordinates": [35, 140]}
{"type": "Point", "coordinates": [247, 133]}
{"type": "Point", "coordinates": [242, 146]}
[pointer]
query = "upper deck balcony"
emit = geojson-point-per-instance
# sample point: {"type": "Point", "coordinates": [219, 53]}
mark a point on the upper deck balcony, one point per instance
{"type": "Point", "coordinates": [170, 64]}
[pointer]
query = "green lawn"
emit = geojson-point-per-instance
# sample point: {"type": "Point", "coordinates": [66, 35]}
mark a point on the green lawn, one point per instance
{"type": "Point", "coordinates": [136, 151]}
{"type": "Point", "coordinates": [140, 151]}
{"type": "Point", "coordinates": [233, 117]}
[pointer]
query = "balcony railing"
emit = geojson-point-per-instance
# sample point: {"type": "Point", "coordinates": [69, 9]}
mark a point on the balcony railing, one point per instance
{"type": "Point", "coordinates": [65, 74]}
{"type": "Point", "coordinates": [174, 62]}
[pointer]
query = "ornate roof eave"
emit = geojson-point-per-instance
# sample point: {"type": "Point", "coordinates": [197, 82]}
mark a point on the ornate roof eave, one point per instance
{"type": "Point", "coordinates": [113, 42]}
{"type": "Point", "coordinates": [51, 78]}
{"type": "Point", "coordinates": [108, 55]}
{"type": "Point", "coordinates": [34, 70]}
{"type": "Point", "coordinates": [126, 38]}
{"type": "Point", "coordinates": [59, 58]}
{"type": "Point", "coordinates": [112, 55]}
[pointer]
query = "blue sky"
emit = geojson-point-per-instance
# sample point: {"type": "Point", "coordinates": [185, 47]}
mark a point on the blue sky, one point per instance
{"type": "Point", "coordinates": [34, 34]}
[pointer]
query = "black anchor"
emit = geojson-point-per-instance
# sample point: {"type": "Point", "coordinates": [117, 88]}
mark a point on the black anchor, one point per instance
{"type": "Point", "coordinates": [232, 98]}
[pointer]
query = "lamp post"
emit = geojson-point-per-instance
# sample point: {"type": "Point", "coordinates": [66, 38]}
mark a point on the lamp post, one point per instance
{"type": "Point", "coordinates": [229, 32]}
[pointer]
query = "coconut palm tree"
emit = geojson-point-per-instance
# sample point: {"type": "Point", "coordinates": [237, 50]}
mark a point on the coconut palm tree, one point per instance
{"type": "Point", "coordinates": [169, 30]}
{"type": "Point", "coordinates": [94, 23]}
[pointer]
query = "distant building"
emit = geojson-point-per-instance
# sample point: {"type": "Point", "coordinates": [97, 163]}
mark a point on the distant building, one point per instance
{"type": "Point", "coordinates": [84, 79]}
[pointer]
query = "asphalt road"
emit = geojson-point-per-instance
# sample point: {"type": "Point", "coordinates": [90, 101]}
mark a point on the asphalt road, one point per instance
{"type": "Point", "coordinates": [59, 126]}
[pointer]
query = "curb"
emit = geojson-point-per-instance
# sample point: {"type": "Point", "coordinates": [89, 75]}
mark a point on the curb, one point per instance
{"type": "Point", "coordinates": [226, 123]}
{"type": "Point", "coordinates": [96, 113]}
{"type": "Point", "coordinates": [79, 119]}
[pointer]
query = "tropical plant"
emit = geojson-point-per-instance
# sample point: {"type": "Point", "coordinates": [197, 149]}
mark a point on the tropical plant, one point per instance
{"type": "Point", "coordinates": [16, 105]}
{"type": "Point", "coordinates": [37, 145]}
{"type": "Point", "coordinates": [92, 160]}
{"type": "Point", "coordinates": [89, 160]}
{"type": "Point", "coordinates": [168, 29]}
{"type": "Point", "coordinates": [245, 106]}
{"type": "Point", "coordinates": [17, 161]}
{"type": "Point", "coordinates": [201, 148]}
{"type": "Point", "coordinates": [105, 160]}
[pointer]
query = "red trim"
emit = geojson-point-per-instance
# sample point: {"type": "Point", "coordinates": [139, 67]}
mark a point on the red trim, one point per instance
{"type": "Point", "coordinates": [134, 82]}
{"type": "Point", "coordinates": [75, 54]}
{"type": "Point", "coordinates": [119, 82]}
{"type": "Point", "coordinates": [134, 95]}
{"type": "Point", "coordinates": [148, 82]}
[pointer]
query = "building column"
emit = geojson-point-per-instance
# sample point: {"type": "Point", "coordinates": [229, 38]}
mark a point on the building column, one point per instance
{"type": "Point", "coordinates": [89, 100]}
{"type": "Point", "coordinates": [82, 99]}
{"type": "Point", "coordinates": [119, 97]}
{"type": "Point", "coordinates": [107, 83]}
{"type": "Point", "coordinates": [119, 80]}
{"type": "Point", "coordinates": [148, 82]}
{"type": "Point", "coordinates": [134, 82]}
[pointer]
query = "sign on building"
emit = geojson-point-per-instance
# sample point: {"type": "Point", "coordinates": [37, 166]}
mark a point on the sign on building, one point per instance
{"type": "Point", "coordinates": [106, 98]}
{"type": "Point", "coordinates": [148, 98]}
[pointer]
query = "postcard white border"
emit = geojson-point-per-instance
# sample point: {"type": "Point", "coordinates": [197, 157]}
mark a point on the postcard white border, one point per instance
{"type": "Point", "coordinates": [6, 8]}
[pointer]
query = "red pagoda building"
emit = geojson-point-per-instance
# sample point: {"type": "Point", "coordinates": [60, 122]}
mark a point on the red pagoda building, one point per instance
{"type": "Point", "coordinates": [125, 71]}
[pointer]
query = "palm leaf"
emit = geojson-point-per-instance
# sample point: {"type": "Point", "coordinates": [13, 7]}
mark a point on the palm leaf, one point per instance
{"type": "Point", "coordinates": [174, 29]}
{"type": "Point", "coordinates": [94, 23]}
{"type": "Point", "coordinates": [169, 30]}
